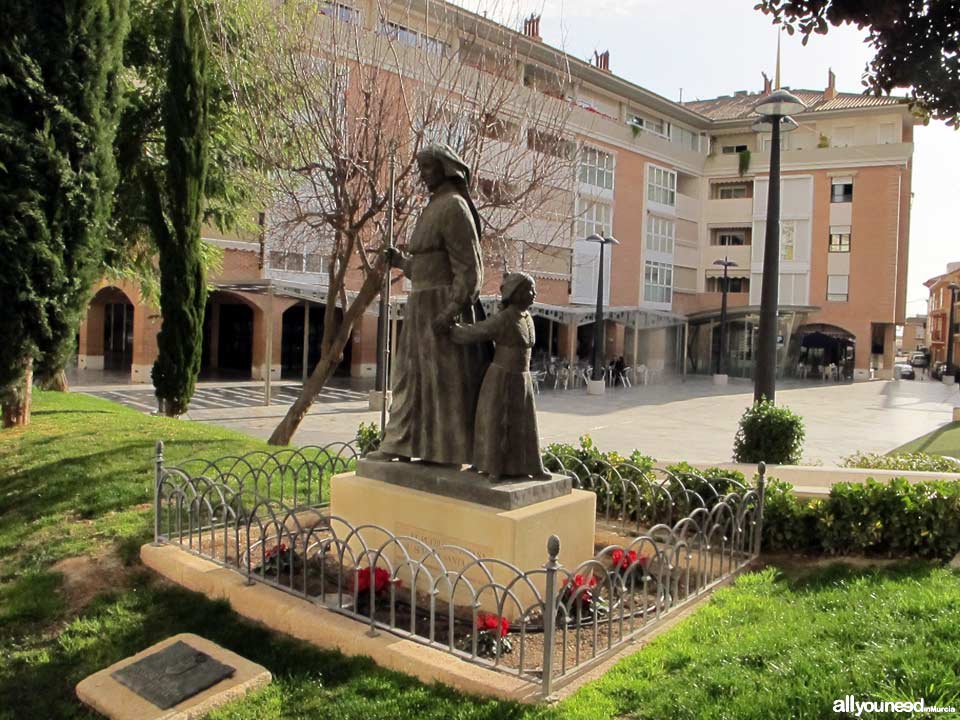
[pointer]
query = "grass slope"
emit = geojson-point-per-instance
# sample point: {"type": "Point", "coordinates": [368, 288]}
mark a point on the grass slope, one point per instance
{"type": "Point", "coordinates": [942, 441]}
{"type": "Point", "coordinates": [776, 645]}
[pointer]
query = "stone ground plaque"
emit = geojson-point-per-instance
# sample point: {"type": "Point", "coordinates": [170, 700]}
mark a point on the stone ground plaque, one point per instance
{"type": "Point", "coordinates": [109, 693]}
{"type": "Point", "coordinates": [173, 674]}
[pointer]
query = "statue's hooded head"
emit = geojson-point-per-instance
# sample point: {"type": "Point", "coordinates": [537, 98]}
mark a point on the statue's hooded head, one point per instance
{"type": "Point", "coordinates": [453, 167]}
{"type": "Point", "coordinates": [513, 283]}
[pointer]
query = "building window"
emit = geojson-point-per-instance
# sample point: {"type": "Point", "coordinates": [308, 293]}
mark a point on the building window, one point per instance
{"type": "Point", "coordinates": [735, 284]}
{"type": "Point", "coordinates": [406, 36]}
{"type": "Point", "coordinates": [729, 238]}
{"type": "Point", "coordinates": [839, 241]}
{"type": "Point", "coordinates": [841, 191]}
{"type": "Point", "coordinates": [838, 288]}
{"type": "Point", "coordinates": [731, 192]}
{"type": "Point", "coordinates": [733, 149]}
{"type": "Point", "coordinates": [660, 234]}
{"type": "Point", "coordinates": [686, 138]}
{"type": "Point", "coordinates": [343, 13]}
{"type": "Point", "coordinates": [596, 168]}
{"type": "Point", "coordinates": [654, 125]}
{"type": "Point", "coordinates": [662, 186]}
{"type": "Point", "coordinates": [280, 260]}
{"type": "Point", "coordinates": [316, 263]}
{"type": "Point", "coordinates": [657, 282]}
{"type": "Point", "coordinates": [593, 218]}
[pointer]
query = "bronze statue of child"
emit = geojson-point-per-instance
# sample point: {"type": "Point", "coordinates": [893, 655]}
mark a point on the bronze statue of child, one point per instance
{"type": "Point", "coordinates": [506, 441]}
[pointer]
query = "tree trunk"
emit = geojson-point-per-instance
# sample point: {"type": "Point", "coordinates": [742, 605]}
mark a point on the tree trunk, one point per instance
{"type": "Point", "coordinates": [56, 382]}
{"type": "Point", "coordinates": [329, 360]}
{"type": "Point", "coordinates": [16, 401]}
{"type": "Point", "coordinates": [283, 433]}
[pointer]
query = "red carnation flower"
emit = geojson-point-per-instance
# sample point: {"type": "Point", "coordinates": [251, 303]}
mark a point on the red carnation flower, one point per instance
{"type": "Point", "coordinates": [616, 556]}
{"type": "Point", "coordinates": [491, 622]}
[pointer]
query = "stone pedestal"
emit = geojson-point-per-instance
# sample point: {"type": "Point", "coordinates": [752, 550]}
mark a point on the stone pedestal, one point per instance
{"type": "Point", "coordinates": [375, 399]}
{"type": "Point", "coordinates": [451, 510]}
{"type": "Point", "coordinates": [596, 387]}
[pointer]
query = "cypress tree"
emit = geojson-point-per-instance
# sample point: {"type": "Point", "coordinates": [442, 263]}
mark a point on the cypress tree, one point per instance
{"type": "Point", "coordinates": [59, 107]}
{"type": "Point", "coordinates": [176, 228]}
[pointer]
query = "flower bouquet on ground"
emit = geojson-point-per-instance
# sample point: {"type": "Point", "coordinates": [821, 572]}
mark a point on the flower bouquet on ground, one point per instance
{"type": "Point", "coordinates": [492, 633]}
{"type": "Point", "coordinates": [363, 579]}
{"type": "Point", "coordinates": [276, 560]}
{"type": "Point", "coordinates": [623, 560]}
{"type": "Point", "coordinates": [581, 593]}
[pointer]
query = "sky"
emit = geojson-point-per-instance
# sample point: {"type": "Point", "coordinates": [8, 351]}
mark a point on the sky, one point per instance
{"type": "Point", "coordinates": [715, 47]}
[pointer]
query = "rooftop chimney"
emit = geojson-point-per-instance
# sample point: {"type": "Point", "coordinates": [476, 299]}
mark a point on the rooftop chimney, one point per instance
{"type": "Point", "coordinates": [602, 60]}
{"type": "Point", "coordinates": [767, 84]}
{"type": "Point", "coordinates": [831, 92]}
{"type": "Point", "coordinates": [531, 28]}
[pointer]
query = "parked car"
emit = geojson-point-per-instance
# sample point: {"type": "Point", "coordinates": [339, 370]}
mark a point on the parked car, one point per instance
{"type": "Point", "coordinates": [919, 360]}
{"type": "Point", "coordinates": [904, 371]}
{"type": "Point", "coordinates": [938, 370]}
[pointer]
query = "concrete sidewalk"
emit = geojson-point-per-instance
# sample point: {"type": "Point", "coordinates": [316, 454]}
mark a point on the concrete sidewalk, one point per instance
{"type": "Point", "coordinates": [692, 420]}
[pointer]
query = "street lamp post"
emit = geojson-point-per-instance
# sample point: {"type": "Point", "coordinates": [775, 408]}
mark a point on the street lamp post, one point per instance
{"type": "Point", "coordinates": [774, 110]}
{"type": "Point", "coordinates": [951, 370]}
{"type": "Point", "coordinates": [598, 315]}
{"type": "Point", "coordinates": [721, 374]}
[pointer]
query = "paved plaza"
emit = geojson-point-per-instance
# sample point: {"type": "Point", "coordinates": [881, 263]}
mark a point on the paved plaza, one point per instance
{"type": "Point", "coordinates": [692, 419]}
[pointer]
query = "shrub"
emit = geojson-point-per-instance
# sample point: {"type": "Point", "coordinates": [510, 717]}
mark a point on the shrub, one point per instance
{"type": "Point", "coordinates": [368, 438]}
{"type": "Point", "coordinates": [789, 525]}
{"type": "Point", "coordinates": [896, 518]}
{"type": "Point", "coordinates": [770, 434]}
{"type": "Point", "coordinates": [918, 462]}
{"type": "Point", "coordinates": [710, 484]}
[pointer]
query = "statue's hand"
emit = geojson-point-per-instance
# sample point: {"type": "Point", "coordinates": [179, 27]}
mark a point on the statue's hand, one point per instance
{"type": "Point", "coordinates": [442, 325]}
{"type": "Point", "coordinates": [395, 257]}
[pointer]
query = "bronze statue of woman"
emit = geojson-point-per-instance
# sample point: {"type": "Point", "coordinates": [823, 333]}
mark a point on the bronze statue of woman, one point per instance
{"type": "Point", "coordinates": [436, 381]}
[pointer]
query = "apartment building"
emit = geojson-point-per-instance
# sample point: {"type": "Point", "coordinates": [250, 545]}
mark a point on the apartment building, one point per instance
{"type": "Point", "coordinates": [680, 185]}
{"type": "Point", "coordinates": [938, 314]}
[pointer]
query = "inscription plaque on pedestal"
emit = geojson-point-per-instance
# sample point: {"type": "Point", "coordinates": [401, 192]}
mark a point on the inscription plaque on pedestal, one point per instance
{"type": "Point", "coordinates": [172, 675]}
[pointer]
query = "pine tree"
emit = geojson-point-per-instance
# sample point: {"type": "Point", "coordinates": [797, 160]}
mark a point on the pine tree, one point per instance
{"type": "Point", "coordinates": [176, 227]}
{"type": "Point", "coordinates": [59, 107]}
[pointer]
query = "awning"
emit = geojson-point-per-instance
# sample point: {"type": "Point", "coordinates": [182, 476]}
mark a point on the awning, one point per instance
{"type": "Point", "coordinates": [634, 316]}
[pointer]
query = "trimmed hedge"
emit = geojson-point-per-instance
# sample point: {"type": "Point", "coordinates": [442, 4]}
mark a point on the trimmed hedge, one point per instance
{"type": "Point", "coordinates": [916, 462]}
{"type": "Point", "coordinates": [895, 519]}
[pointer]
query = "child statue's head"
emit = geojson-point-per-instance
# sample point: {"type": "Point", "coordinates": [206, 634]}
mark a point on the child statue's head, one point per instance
{"type": "Point", "coordinates": [518, 289]}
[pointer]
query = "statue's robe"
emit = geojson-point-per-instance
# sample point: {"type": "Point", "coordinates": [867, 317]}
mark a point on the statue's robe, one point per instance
{"type": "Point", "coordinates": [436, 382]}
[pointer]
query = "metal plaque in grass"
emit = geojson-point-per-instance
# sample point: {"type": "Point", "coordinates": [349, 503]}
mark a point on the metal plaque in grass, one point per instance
{"type": "Point", "coordinates": [172, 675]}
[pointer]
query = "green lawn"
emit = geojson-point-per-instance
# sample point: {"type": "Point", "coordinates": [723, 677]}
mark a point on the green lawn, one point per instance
{"type": "Point", "coordinates": [942, 441]}
{"type": "Point", "coordinates": [781, 643]}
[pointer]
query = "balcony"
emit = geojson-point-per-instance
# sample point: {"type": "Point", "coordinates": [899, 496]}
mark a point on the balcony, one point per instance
{"type": "Point", "coordinates": [688, 208]}
{"type": "Point", "coordinates": [740, 254]}
{"type": "Point", "coordinates": [736, 212]}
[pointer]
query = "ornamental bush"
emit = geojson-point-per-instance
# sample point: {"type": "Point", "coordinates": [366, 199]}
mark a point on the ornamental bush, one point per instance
{"type": "Point", "coordinates": [894, 519]}
{"type": "Point", "coordinates": [917, 462]}
{"type": "Point", "coordinates": [769, 433]}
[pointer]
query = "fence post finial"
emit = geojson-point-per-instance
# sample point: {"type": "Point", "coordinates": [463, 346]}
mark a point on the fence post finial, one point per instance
{"type": "Point", "coordinates": [550, 612]}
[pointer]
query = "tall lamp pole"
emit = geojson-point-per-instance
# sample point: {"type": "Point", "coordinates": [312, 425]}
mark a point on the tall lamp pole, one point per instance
{"type": "Point", "coordinates": [951, 370]}
{"type": "Point", "coordinates": [722, 355]}
{"type": "Point", "coordinates": [774, 111]}
{"type": "Point", "coordinates": [598, 316]}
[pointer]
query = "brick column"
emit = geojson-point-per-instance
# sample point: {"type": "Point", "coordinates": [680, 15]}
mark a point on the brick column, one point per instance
{"type": "Point", "coordinates": [567, 341]}
{"type": "Point", "coordinates": [363, 356]}
{"type": "Point", "coordinates": [146, 325]}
